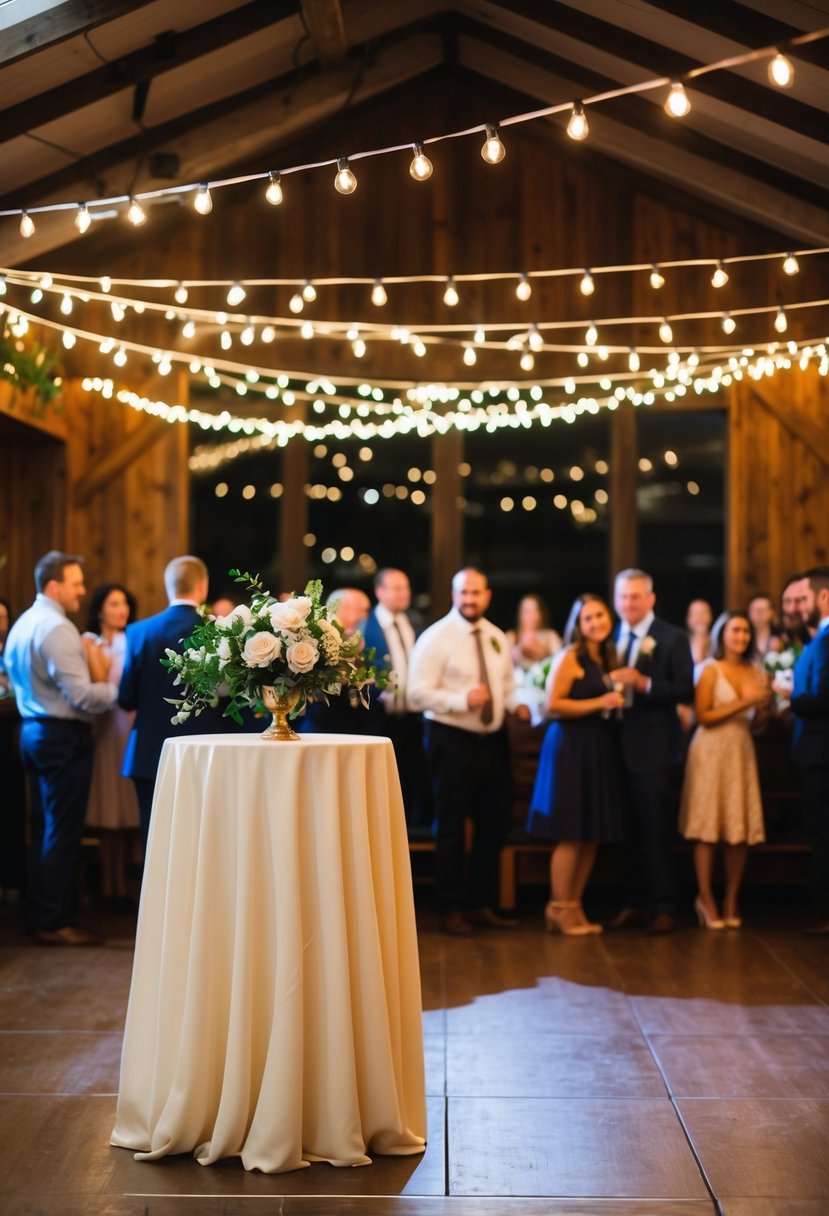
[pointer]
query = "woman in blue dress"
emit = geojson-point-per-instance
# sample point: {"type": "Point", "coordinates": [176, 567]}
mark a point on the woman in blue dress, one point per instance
{"type": "Point", "coordinates": [577, 800]}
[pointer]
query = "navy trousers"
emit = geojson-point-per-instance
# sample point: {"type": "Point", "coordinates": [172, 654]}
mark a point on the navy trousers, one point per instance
{"type": "Point", "coordinates": [651, 877]}
{"type": "Point", "coordinates": [57, 756]}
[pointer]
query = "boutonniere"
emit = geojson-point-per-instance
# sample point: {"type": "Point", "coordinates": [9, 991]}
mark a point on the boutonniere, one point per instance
{"type": "Point", "coordinates": [646, 647]}
{"type": "Point", "coordinates": [495, 644]}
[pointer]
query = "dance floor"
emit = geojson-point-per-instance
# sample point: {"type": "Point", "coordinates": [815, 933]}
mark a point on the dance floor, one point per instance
{"type": "Point", "coordinates": [618, 1076]}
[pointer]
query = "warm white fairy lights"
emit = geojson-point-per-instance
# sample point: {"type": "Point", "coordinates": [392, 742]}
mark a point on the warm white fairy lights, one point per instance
{"type": "Point", "coordinates": [677, 104]}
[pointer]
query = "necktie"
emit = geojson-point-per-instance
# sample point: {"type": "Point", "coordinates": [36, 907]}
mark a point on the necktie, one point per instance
{"type": "Point", "coordinates": [483, 677]}
{"type": "Point", "coordinates": [629, 649]}
{"type": "Point", "coordinates": [399, 698]}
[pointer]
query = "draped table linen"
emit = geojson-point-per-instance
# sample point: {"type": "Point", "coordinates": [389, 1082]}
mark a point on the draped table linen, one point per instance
{"type": "Point", "coordinates": [275, 1009]}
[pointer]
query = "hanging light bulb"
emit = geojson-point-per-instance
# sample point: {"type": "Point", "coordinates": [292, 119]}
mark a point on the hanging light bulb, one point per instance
{"type": "Point", "coordinates": [180, 295]}
{"type": "Point", "coordinates": [479, 335]}
{"type": "Point", "coordinates": [781, 323]}
{"type": "Point", "coordinates": [66, 304]}
{"type": "Point", "coordinates": [274, 191]}
{"type": "Point", "coordinates": [120, 357]}
{"type": "Point", "coordinates": [221, 318]}
{"type": "Point", "coordinates": [493, 150]}
{"type": "Point", "coordinates": [720, 276]}
{"type": "Point", "coordinates": [27, 225]}
{"type": "Point", "coordinates": [582, 359]}
{"type": "Point", "coordinates": [657, 277]}
{"type": "Point", "coordinates": [450, 296]}
{"type": "Point", "coordinates": [203, 202]}
{"type": "Point", "coordinates": [527, 362]}
{"type": "Point", "coordinates": [781, 71]}
{"type": "Point", "coordinates": [268, 334]}
{"type": "Point", "coordinates": [790, 264]}
{"type": "Point", "coordinates": [296, 302]}
{"type": "Point", "coordinates": [591, 335]}
{"type": "Point", "coordinates": [728, 323]}
{"type": "Point", "coordinates": [247, 335]}
{"type": "Point", "coordinates": [577, 127]}
{"type": "Point", "coordinates": [534, 338]}
{"type": "Point", "coordinates": [677, 104]}
{"type": "Point", "coordinates": [470, 356]}
{"type": "Point", "coordinates": [665, 331]}
{"type": "Point", "coordinates": [587, 286]}
{"type": "Point", "coordinates": [345, 182]}
{"type": "Point", "coordinates": [135, 214]}
{"type": "Point", "coordinates": [421, 166]}
{"type": "Point", "coordinates": [358, 348]}
{"type": "Point", "coordinates": [524, 289]}
{"type": "Point", "coordinates": [307, 330]}
{"type": "Point", "coordinates": [236, 295]}
{"type": "Point", "coordinates": [309, 292]}
{"type": "Point", "coordinates": [188, 330]}
{"type": "Point", "coordinates": [419, 347]}
{"type": "Point", "coordinates": [36, 296]}
{"type": "Point", "coordinates": [106, 284]}
{"type": "Point", "coordinates": [83, 219]}
{"type": "Point", "coordinates": [117, 310]}
{"type": "Point", "coordinates": [378, 294]}
{"type": "Point", "coordinates": [225, 339]}
{"type": "Point", "coordinates": [69, 339]}
{"type": "Point", "coordinates": [633, 360]}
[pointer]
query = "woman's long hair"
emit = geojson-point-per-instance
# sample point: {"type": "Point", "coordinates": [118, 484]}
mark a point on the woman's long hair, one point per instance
{"type": "Point", "coordinates": [543, 611]}
{"type": "Point", "coordinates": [573, 635]}
{"type": "Point", "coordinates": [97, 601]}
{"type": "Point", "coordinates": [718, 628]}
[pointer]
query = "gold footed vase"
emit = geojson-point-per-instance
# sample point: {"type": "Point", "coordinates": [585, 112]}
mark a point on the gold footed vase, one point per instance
{"type": "Point", "coordinates": [280, 705]}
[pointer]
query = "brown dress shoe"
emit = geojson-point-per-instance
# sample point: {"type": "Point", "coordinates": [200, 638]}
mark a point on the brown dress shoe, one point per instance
{"type": "Point", "coordinates": [69, 935]}
{"type": "Point", "coordinates": [662, 924]}
{"type": "Point", "coordinates": [628, 918]}
{"type": "Point", "coordinates": [456, 925]}
{"type": "Point", "coordinates": [486, 918]}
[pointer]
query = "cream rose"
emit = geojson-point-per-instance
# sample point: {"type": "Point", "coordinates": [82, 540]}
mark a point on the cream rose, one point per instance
{"type": "Point", "coordinates": [302, 656]}
{"type": "Point", "coordinates": [261, 649]}
{"type": "Point", "coordinates": [240, 613]}
{"type": "Point", "coordinates": [292, 615]}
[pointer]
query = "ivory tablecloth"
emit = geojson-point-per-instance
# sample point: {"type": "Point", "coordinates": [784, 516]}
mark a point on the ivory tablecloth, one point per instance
{"type": "Point", "coordinates": [275, 1006]}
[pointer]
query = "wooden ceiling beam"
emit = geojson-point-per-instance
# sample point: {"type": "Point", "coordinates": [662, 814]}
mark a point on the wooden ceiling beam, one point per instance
{"type": "Point", "coordinates": [170, 50]}
{"type": "Point", "coordinates": [735, 21]}
{"type": "Point", "coordinates": [59, 23]}
{"type": "Point", "coordinates": [326, 29]}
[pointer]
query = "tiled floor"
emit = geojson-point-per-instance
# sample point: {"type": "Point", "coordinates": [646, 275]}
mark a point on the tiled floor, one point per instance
{"type": "Point", "coordinates": [617, 1076]}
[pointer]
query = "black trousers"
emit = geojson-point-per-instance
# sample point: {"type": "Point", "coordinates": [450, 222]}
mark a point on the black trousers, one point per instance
{"type": "Point", "coordinates": [144, 790]}
{"type": "Point", "coordinates": [406, 734]}
{"type": "Point", "coordinates": [814, 809]}
{"type": "Point", "coordinates": [57, 756]}
{"type": "Point", "coordinates": [470, 779]}
{"type": "Point", "coordinates": [650, 852]}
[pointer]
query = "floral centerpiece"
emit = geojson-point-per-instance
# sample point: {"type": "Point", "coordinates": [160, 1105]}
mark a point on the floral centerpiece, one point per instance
{"type": "Point", "coordinates": [270, 654]}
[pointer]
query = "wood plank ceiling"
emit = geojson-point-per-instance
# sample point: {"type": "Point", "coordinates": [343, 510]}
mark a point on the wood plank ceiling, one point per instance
{"type": "Point", "coordinates": [101, 97]}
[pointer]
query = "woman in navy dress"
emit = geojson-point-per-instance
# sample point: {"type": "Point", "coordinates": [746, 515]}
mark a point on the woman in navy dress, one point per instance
{"type": "Point", "coordinates": [577, 799]}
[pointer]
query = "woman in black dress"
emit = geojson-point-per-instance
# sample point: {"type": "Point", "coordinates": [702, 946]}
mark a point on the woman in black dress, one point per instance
{"type": "Point", "coordinates": [577, 799]}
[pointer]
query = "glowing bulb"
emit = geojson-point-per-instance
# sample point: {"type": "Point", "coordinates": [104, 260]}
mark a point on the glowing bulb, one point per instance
{"type": "Point", "coordinates": [527, 362]}
{"type": "Point", "coordinates": [117, 310]}
{"type": "Point", "coordinates": [181, 294]}
{"type": "Point", "coordinates": [307, 330]}
{"type": "Point", "coordinates": [480, 335]}
{"type": "Point", "coordinates": [419, 347]}
{"type": "Point", "coordinates": [83, 219]}
{"type": "Point", "coordinates": [268, 334]}
{"type": "Point", "coordinates": [106, 284]}
{"type": "Point", "coordinates": [309, 292]}
{"type": "Point", "coordinates": [225, 339]}
{"type": "Point", "coordinates": [790, 264]}
{"type": "Point", "coordinates": [421, 166]}
{"type": "Point", "coordinates": [236, 295]}
{"type": "Point", "coordinates": [450, 296]}
{"type": "Point", "coordinates": [633, 361]}
{"type": "Point", "coordinates": [378, 294]}
{"type": "Point", "coordinates": [524, 289]}
{"type": "Point", "coordinates": [345, 182]}
{"type": "Point", "coordinates": [470, 358]}
{"type": "Point", "coordinates": [358, 348]}
{"type": "Point", "coordinates": [781, 71]}
{"type": "Point", "coordinates": [136, 215]}
{"type": "Point", "coordinates": [665, 331]}
{"type": "Point", "coordinates": [781, 323]}
{"type": "Point", "coordinates": [120, 357]}
{"type": "Point", "coordinates": [27, 225]}
{"type": "Point", "coordinates": [535, 339]}
{"type": "Point", "coordinates": [720, 276]}
{"type": "Point", "coordinates": [247, 335]}
{"type": "Point", "coordinates": [591, 335]}
{"type": "Point", "coordinates": [296, 302]}
{"type": "Point", "coordinates": [577, 127]}
{"type": "Point", "coordinates": [493, 150]}
{"type": "Point", "coordinates": [728, 323]}
{"type": "Point", "coordinates": [69, 339]}
{"type": "Point", "coordinates": [203, 202]}
{"type": "Point", "coordinates": [37, 296]}
{"type": "Point", "coordinates": [66, 304]}
{"type": "Point", "coordinates": [587, 286]}
{"type": "Point", "coordinates": [657, 277]}
{"type": "Point", "coordinates": [274, 191]}
{"type": "Point", "coordinates": [677, 104]}
{"type": "Point", "coordinates": [188, 330]}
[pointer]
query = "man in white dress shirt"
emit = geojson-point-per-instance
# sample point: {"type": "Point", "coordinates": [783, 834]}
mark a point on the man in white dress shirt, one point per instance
{"type": "Point", "coordinates": [461, 676]}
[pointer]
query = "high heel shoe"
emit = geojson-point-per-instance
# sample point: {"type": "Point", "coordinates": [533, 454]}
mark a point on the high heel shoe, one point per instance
{"type": "Point", "coordinates": [559, 919]}
{"type": "Point", "coordinates": [732, 922]}
{"type": "Point", "coordinates": [705, 919]}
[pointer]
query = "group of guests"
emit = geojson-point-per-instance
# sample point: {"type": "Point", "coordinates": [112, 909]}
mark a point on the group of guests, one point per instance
{"type": "Point", "coordinates": [94, 720]}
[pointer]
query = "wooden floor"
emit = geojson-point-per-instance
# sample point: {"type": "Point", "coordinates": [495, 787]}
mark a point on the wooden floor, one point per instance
{"type": "Point", "coordinates": [616, 1076]}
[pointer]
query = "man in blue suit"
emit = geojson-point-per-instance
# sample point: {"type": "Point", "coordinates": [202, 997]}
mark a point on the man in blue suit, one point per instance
{"type": "Point", "coordinates": [657, 672]}
{"type": "Point", "coordinates": [390, 630]}
{"type": "Point", "coordinates": [810, 741]}
{"type": "Point", "coordinates": [145, 683]}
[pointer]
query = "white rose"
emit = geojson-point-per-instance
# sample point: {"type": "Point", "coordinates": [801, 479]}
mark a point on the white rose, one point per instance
{"type": "Point", "coordinates": [291, 615]}
{"type": "Point", "coordinates": [240, 613]}
{"type": "Point", "coordinates": [302, 656]}
{"type": "Point", "coordinates": [224, 652]}
{"type": "Point", "coordinates": [261, 649]}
